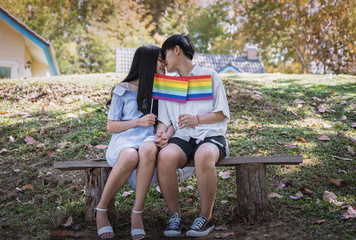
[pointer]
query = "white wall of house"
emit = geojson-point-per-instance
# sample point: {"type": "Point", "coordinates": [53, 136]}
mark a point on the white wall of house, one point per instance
{"type": "Point", "coordinates": [12, 49]}
{"type": "Point", "coordinates": [39, 69]}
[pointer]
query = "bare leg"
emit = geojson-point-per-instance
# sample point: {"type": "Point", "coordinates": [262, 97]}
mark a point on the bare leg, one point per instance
{"type": "Point", "coordinates": [205, 159]}
{"type": "Point", "coordinates": [146, 165]}
{"type": "Point", "coordinates": [126, 164]}
{"type": "Point", "coordinates": [169, 159]}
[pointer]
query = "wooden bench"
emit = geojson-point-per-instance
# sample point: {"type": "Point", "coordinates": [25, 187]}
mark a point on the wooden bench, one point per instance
{"type": "Point", "coordinates": [250, 181]}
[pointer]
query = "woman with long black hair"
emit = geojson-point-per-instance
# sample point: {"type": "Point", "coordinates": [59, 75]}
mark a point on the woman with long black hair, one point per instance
{"type": "Point", "coordinates": [132, 150]}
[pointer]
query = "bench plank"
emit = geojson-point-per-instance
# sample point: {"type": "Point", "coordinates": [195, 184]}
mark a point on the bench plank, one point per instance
{"type": "Point", "coordinates": [231, 161]}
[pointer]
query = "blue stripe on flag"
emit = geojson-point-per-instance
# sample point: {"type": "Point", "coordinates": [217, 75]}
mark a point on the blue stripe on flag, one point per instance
{"type": "Point", "coordinates": [155, 90]}
{"type": "Point", "coordinates": [168, 95]}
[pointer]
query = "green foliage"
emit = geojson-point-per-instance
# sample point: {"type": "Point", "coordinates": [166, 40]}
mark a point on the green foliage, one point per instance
{"type": "Point", "coordinates": [84, 34]}
{"type": "Point", "coordinates": [317, 34]}
{"type": "Point", "coordinates": [292, 36]}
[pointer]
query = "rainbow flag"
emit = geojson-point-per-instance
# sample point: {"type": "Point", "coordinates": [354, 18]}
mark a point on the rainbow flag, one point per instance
{"type": "Point", "coordinates": [200, 88]}
{"type": "Point", "coordinates": [170, 88]}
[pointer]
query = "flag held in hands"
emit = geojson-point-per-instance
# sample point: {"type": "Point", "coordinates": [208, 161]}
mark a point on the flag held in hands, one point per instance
{"type": "Point", "coordinates": [170, 88]}
{"type": "Point", "coordinates": [182, 89]}
{"type": "Point", "coordinates": [200, 88]}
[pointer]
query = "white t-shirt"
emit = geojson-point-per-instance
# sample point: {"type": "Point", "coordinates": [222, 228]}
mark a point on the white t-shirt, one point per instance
{"type": "Point", "coordinates": [169, 111]}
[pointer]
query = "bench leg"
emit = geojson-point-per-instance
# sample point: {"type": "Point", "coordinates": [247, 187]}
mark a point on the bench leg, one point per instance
{"type": "Point", "coordinates": [251, 189]}
{"type": "Point", "coordinates": [95, 179]}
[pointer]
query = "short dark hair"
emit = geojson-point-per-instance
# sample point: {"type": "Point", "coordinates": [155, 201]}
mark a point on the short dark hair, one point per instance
{"type": "Point", "coordinates": [181, 40]}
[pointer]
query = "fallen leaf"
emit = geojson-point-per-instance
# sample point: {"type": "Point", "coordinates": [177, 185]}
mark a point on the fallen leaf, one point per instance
{"type": "Point", "coordinates": [43, 131]}
{"type": "Point", "coordinates": [283, 133]}
{"type": "Point", "coordinates": [332, 91]}
{"type": "Point", "coordinates": [49, 154]}
{"type": "Point", "coordinates": [232, 195]}
{"type": "Point", "coordinates": [342, 158]}
{"type": "Point", "coordinates": [247, 118]}
{"type": "Point", "coordinates": [225, 175]}
{"type": "Point", "coordinates": [25, 115]}
{"type": "Point", "coordinates": [69, 222]}
{"type": "Point", "coordinates": [30, 140]}
{"type": "Point", "coordinates": [101, 146]}
{"type": "Point", "coordinates": [223, 202]}
{"type": "Point", "coordinates": [321, 108]}
{"type": "Point", "coordinates": [300, 106]}
{"type": "Point", "coordinates": [350, 213]}
{"type": "Point", "coordinates": [63, 144]}
{"type": "Point", "coordinates": [351, 150]}
{"type": "Point", "coordinates": [4, 112]}
{"type": "Point", "coordinates": [319, 221]}
{"type": "Point", "coordinates": [223, 235]}
{"type": "Point", "coordinates": [40, 145]}
{"type": "Point", "coordinates": [343, 102]}
{"type": "Point", "coordinates": [74, 187]}
{"type": "Point", "coordinates": [316, 99]}
{"type": "Point", "coordinates": [298, 195]}
{"type": "Point", "coordinates": [301, 139]}
{"type": "Point", "coordinates": [298, 101]}
{"type": "Point", "coordinates": [293, 113]}
{"type": "Point", "coordinates": [323, 138]}
{"type": "Point", "coordinates": [189, 187]}
{"type": "Point", "coordinates": [289, 145]}
{"type": "Point", "coordinates": [71, 115]}
{"type": "Point", "coordinates": [274, 195]}
{"type": "Point", "coordinates": [188, 200]}
{"type": "Point", "coordinates": [27, 187]}
{"type": "Point", "coordinates": [336, 182]}
{"type": "Point", "coordinates": [60, 233]}
{"type": "Point", "coordinates": [12, 139]}
{"type": "Point", "coordinates": [342, 171]}
{"type": "Point", "coordinates": [3, 150]}
{"type": "Point", "coordinates": [331, 198]}
{"type": "Point", "coordinates": [221, 228]}
{"type": "Point", "coordinates": [127, 193]}
{"type": "Point", "coordinates": [257, 96]}
{"type": "Point", "coordinates": [306, 191]}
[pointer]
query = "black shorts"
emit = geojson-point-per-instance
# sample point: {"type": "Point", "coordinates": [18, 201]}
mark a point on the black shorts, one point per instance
{"type": "Point", "coordinates": [189, 148]}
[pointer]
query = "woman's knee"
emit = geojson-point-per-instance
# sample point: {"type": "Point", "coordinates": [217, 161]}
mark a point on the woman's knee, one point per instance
{"type": "Point", "coordinates": [128, 157]}
{"type": "Point", "coordinates": [148, 149]}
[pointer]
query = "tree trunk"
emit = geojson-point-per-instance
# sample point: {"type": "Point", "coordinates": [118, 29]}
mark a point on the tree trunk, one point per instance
{"type": "Point", "coordinates": [95, 179]}
{"type": "Point", "coordinates": [251, 189]}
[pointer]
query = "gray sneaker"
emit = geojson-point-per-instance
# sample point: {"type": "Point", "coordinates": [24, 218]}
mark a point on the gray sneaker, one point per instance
{"type": "Point", "coordinates": [175, 226]}
{"type": "Point", "coordinates": [201, 227]}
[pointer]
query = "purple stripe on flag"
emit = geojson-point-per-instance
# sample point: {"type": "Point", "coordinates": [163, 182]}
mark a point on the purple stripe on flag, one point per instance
{"type": "Point", "coordinates": [199, 98]}
{"type": "Point", "coordinates": [170, 99]}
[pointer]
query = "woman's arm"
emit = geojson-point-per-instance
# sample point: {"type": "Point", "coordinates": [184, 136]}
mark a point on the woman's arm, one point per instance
{"type": "Point", "coordinates": [147, 120]}
{"type": "Point", "coordinates": [187, 120]}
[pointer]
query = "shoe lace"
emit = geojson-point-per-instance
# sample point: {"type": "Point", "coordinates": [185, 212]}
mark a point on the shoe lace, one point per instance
{"type": "Point", "coordinates": [198, 223]}
{"type": "Point", "coordinates": [174, 222]}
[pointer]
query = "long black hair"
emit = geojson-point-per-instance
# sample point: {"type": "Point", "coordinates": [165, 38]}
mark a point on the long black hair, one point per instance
{"type": "Point", "coordinates": [143, 68]}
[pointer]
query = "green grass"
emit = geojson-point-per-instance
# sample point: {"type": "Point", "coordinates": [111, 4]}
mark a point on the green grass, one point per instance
{"type": "Point", "coordinates": [73, 109]}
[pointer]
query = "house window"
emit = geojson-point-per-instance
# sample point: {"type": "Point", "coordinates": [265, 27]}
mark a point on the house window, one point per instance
{"type": "Point", "coordinates": [5, 72]}
{"type": "Point", "coordinates": [8, 69]}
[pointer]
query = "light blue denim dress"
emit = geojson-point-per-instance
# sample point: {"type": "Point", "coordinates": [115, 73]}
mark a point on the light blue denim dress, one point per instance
{"type": "Point", "coordinates": [124, 108]}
